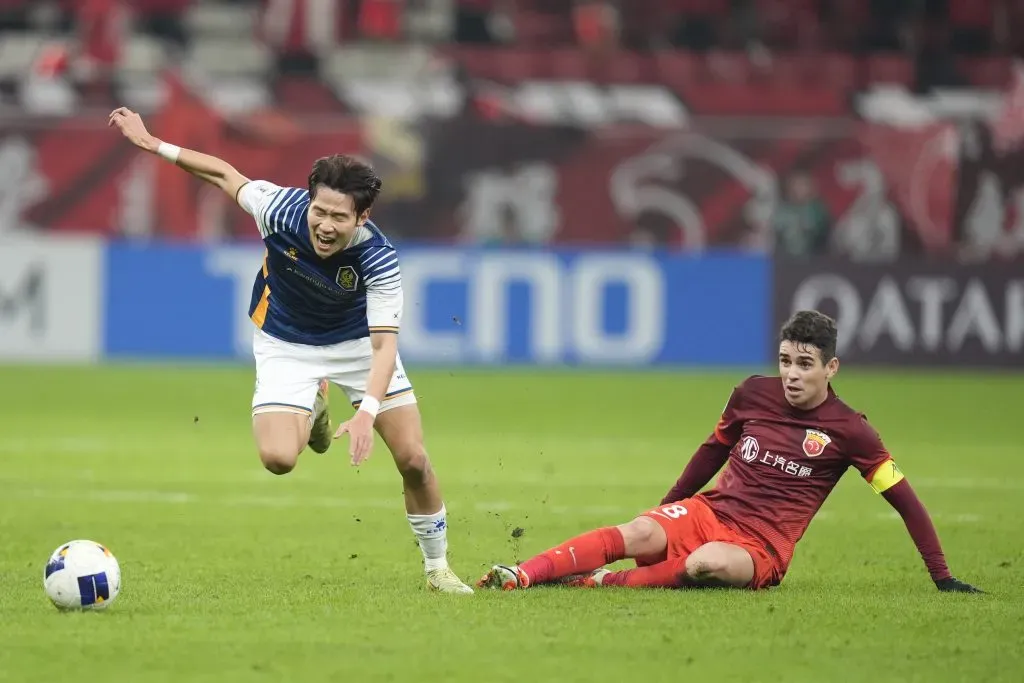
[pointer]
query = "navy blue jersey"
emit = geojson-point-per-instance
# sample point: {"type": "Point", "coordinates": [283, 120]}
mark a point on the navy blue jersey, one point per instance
{"type": "Point", "coordinates": [302, 298]}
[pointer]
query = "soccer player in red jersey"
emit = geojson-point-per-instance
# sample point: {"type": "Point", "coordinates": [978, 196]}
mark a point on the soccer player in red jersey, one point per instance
{"type": "Point", "coordinates": [785, 442]}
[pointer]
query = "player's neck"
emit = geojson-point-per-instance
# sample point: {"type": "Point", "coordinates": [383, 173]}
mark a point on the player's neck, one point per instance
{"type": "Point", "coordinates": [361, 234]}
{"type": "Point", "coordinates": [817, 402]}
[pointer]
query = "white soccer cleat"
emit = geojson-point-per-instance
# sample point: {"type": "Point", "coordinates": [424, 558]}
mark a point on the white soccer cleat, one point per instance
{"type": "Point", "coordinates": [503, 577]}
{"type": "Point", "coordinates": [446, 581]}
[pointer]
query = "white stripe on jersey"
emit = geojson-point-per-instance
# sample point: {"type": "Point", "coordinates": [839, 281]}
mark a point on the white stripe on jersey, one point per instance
{"type": "Point", "coordinates": [269, 206]}
{"type": "Point", "coordinates": [372, 256]}
{"type": "Point", "coordinates": [284, 211]}
{"type": "Point", "coordinates": [380, 266]}
{"type": "Point", "coordinates": [383, 287]}
{"type": "Point", "coordinates": [383, 283]}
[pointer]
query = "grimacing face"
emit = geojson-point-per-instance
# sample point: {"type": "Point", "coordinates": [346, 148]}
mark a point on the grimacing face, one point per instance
{"type": "Point", "coordinates": [804, 376]}
{"type": "Point", "coordinates": [332, 221]}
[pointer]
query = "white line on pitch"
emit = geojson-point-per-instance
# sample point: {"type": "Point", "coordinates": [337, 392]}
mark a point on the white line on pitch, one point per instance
{"type": "Point", "coordinates": [611, 512]}
{"type": "Point", "coordinates": [18, 446]}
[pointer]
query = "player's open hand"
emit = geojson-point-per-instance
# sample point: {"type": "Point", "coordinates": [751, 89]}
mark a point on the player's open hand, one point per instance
{"type": "Point", "coordinates": [131, 126]}
{"type": "Point", "coordinates": [954, 585]}
{"type": "Point", "coordinates": [360, 436]}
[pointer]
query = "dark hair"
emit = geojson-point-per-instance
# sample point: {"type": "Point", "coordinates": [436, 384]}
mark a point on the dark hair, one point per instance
{"type": "Point", "coordinates": [348, 175]}
{"type": "Point", "coordinates": [814, 329]}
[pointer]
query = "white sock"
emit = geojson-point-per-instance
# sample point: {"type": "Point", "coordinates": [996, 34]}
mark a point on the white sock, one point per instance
{"type": "Point", "coordinates": [432, 533]}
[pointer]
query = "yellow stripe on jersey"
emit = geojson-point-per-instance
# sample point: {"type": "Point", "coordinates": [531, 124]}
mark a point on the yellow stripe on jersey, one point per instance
{"type": "Point", "coordinates": [384, 328]}
{"type": "Point", "coordinates": [885, 476]}
{"type": "Point", "coordinates": [259, 316]}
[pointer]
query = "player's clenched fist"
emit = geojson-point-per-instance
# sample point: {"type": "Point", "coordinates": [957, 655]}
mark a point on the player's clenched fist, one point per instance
{"type": "Point", "coordinates": [131, 126]}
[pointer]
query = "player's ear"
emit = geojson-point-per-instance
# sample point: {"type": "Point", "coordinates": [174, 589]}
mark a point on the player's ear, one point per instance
{"type": "Point", "coordinates": [363, 217]}
{"type": "Point", "coordinates": [832, 367]}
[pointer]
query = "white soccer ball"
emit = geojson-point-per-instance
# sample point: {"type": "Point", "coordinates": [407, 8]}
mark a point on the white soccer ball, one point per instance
{"type": "Point", "coordinates": [82, 575]}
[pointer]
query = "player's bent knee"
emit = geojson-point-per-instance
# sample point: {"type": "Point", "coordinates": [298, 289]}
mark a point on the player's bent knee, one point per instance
{"type": "Point", "coordinates": [721, 564]}
{"type": "Point", "coordinates": [280, 437]}
{"type": "Point", "coordinates": [643, 536]}
{"type": "Point", "coordinates": [278, 460]}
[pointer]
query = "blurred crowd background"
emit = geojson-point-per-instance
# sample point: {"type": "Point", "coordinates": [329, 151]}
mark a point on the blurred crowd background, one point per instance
{"type": "Point", "coordinates": [863, 127]}
{"type": "Point", "coordinates": [881, 136]}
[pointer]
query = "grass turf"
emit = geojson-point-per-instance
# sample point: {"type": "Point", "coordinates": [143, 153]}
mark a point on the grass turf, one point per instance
{"type": "Point", "coordinates": [232, 574]}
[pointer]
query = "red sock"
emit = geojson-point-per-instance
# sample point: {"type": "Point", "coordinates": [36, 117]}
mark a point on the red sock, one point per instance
{"type": "Point", "coordinates": [667, 574]}
{"type": "Point", "coordinates": [578, 555]}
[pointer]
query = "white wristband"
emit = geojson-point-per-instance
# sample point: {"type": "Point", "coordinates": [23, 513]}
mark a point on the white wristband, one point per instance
{"type": "Point", "coordinates": [370, 405]}
{"type": "Point", "coordinates": [169, 152]}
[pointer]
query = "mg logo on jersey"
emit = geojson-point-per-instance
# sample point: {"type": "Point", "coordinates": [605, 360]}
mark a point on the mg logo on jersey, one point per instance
{"type": "Point", "coordinates": [749, 449]}
{"type": "Point", "coordinates": [347, 278]}
{"type": "Point", "coordinates": [815, 442]}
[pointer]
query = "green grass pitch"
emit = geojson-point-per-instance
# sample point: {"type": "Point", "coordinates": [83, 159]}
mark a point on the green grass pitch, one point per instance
{"type": "Point", "coordinates": [233, 574]}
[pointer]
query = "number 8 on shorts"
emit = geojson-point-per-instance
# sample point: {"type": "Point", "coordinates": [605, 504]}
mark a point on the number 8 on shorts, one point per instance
{"type": "Point", "coordinates": [673, 511]}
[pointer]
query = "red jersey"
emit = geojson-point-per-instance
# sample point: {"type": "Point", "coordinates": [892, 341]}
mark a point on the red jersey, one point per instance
{"type": "Point", "coordinates": [784, 462]}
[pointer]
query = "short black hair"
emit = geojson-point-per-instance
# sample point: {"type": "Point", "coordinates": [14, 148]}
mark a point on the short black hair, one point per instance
{"type": "Point", "coordinates": [348, 175]}
{"type": "Point", "coordinates": [813, 328]}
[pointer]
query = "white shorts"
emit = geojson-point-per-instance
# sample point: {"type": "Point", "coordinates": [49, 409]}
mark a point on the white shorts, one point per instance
{"type": "Point", "coordinates": [288, 375]}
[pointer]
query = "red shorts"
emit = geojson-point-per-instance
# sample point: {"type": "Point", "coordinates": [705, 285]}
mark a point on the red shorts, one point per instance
{"type": "Point", "coordinates": [690, 523]}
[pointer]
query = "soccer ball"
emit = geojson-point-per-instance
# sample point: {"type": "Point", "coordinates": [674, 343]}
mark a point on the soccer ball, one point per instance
{"type": "Point", "coordinates": [82, 575]}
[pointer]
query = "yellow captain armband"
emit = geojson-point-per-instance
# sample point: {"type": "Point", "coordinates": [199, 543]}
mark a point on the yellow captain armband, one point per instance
{"type": "Point", "coordinates": [885, 476]}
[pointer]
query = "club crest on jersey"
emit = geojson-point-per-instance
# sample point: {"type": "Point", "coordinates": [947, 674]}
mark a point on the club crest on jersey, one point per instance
{"type": "Point", "coordinates": [815, 442]}
{"type": "Point", "coordinates": [347, 278]}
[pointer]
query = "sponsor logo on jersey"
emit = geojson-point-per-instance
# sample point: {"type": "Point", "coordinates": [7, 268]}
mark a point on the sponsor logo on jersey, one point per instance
{"type": "Point", "coordinates": [815, 442]}
{"type": "Point", "coordinates": [749, 449]}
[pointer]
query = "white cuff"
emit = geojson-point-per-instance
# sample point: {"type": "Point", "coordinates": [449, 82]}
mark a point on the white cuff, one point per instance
{"type": "Point", "coordinates": [169, 152]}
{"type": "Point", "coordinates": [370, 405]}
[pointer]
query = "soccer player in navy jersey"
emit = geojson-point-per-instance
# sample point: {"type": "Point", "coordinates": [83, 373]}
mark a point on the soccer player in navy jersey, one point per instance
{"type": "Point", "coordinates": [326, 306]}
{"type": "Point", "coordinates": [784, 442]}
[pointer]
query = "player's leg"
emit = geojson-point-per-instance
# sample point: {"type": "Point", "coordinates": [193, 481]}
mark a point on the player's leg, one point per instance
{"type": "Point", "coordinates": [321, 432]}
{"type": "Point", "coordinates": [663, 540]}
{"type": "Point", "coordinates": [581, 555]}
{"type": "Point", "coordinates": [400, 426]}
{"type": "Point", "coordinates": [283, 403]}
{"type": "Point", "coordinates": [720, 564]}
{"type": "Point", "coordinates": [713, 564]}
{"type": "Point", "coordinates": [280, 436]}
{"type": "Point", "coordinates": [698, 552]}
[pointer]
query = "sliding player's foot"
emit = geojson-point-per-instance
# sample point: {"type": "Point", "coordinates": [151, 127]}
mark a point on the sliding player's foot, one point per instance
{"type": "Point", "coordinates": [320, 435]}
{"type": "Point", "coordinates": [446, 581]}
{"type": "Point", "coordinates": [506, 578]}
{"type": "Point", "coordinates": [592, 580]}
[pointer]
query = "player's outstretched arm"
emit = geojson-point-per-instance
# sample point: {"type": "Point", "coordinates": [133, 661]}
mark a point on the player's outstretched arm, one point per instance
{"type": "Point", "coordinates": [919, 524]}
{"type": "Point", "coordinates": [208, 168]}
